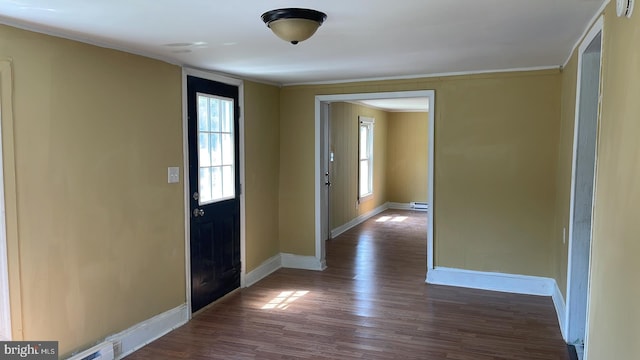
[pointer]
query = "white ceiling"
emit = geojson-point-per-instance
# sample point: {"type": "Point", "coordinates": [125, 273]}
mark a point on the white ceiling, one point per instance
{"type": "Point", "coordinates": [361, 39]}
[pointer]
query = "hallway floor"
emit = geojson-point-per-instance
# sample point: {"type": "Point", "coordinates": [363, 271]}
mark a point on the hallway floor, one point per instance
{"type": "Point", "coordinates": [370, 303]}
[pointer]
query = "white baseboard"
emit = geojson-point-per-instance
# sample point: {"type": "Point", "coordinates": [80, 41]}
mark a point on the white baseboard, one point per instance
{"type": "Point", "coordinates": [359, 220]}
{"type": "Point", "coordinates": [399, 206]}
{"type": "Point", "coordinates": [302, 262]}
{"type": "Point", "coordinates": [519, 284]}
{"type": "Point", "coordinates": [141, 334]}
{"type": "Point", "coordinates": [265, 269]}
{"type": "Point", "coordinates": [559, 304]}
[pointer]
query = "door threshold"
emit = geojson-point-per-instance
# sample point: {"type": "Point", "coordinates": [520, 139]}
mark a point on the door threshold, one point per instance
{"type": "Point", "coordinates": [207, 307]}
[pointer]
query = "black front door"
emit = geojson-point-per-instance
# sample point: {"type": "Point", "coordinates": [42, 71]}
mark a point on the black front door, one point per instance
{"type": "Point", "coordinates": [214, 185]}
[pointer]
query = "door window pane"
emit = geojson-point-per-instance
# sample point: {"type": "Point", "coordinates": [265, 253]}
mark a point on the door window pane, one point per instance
{"type": "Point", "coordinates": [216, 149]}
{"type": "Point", "coordinates": [214, 105]}
{"type": "Point", "coordinates": [203, 114]}
{"type": "Point", "coordinates": [227, 181]}
{"type": "Point", "coordinates": [227, 123]}
{"type": "Point", "coordinates": [205, 183]}
{"type": "Point", "coordinates": [204, 150]}
{"type": "Point", "coordinates": [216, 182]}
{"type": "Point", "coordinates": [227, 149]}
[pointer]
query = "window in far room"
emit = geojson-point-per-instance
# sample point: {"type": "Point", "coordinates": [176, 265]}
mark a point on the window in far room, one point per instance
{"type": "Point", "coordinates": [365, 151]}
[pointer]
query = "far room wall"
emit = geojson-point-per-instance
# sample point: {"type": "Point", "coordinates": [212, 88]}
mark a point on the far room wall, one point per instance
{"type": "Point", "coordinates": [407, 154]}
{"type": "Point", "coordinates": [344, 205]}
{"type": "Point", "coordinates": [399, 160]}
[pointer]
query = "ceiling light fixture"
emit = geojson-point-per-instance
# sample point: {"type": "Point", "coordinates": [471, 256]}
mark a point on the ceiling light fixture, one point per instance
{"type": "Point", "coordinates": [293, 24]}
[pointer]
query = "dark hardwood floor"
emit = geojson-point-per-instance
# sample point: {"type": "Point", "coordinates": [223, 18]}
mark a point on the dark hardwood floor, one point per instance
{"type": "Point", "coordinates": [370, 303]}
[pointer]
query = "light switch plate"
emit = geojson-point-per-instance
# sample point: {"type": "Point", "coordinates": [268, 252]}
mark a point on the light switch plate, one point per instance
{"type": "Point", "coordinates": [173, 174]}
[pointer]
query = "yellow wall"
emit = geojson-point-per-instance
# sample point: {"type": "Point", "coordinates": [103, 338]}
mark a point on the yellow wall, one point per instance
{"type": "Point", "coordinates": [614, 315]}
{"type": "Point", "coordinates": [495, 167]}
{"type": "Point", "coordinates": [344, 169]}
{"type": "Point", "coordinates": [563, 175]}
{"type": "Point", "coordinates": [101, 233]}
{"type": "Point", "coordinates": [262, 153]}
{"type": "Point", "coordinates": [408, 155]}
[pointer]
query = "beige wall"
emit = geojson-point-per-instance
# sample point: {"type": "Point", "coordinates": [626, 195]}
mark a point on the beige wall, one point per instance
{"type": "Point", "coordinates": [408, 154]}
{"type": "Point", "coordinates": [344, 169]}
{"type": "Point", "coordinates": [101, 233]}
{"type": "Point", "coordinates": [262, 165]}
{"type": "Point", "coordinates": [613, 312]}
{"type": "Point", "coordinates": [495, 167]}
{"type": "Point", "coordinates": [563, 175]}
{"type": "Point", "coordinates": [614, 316]}
{"type": "Point", "coordinates": [400, 168]}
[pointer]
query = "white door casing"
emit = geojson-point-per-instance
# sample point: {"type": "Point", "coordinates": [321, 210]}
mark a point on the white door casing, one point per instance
{"type": "Point", "coordinates": [10, 301]}
{"type": "Point", "coordinates": [321, 151]}
{"type": "Point", "coordinates": [583, 185]}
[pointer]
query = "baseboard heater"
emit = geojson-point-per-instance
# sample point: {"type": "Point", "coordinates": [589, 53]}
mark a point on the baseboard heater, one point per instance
{"type": "Point", "coordinates": [420, 206]}
{"type": "Point", "coordinates": [102, 351]}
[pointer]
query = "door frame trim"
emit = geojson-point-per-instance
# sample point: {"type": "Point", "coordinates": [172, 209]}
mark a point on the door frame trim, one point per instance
{"type": "Point", "coordinates": [319, 99]}
{"type": "Point", "coordinates": [596, 29]}
{"type": "Point", "coordinates": [185, 154]}
{"type": "Point", "coordinates": [11, 305]}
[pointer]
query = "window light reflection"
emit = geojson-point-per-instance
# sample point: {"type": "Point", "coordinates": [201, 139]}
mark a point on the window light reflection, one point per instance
{"type": "Point", "coordinates": [284, 299]}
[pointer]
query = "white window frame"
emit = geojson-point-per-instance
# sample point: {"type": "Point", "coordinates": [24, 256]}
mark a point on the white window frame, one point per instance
{"type": "Point", "coordinates": [369, 123]}
{"type": "Point", "coordinates": [222, 164]}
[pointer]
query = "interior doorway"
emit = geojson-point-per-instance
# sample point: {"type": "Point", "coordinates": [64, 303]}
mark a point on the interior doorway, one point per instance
{"type": "Point", "coordinates": [583, 186]}
{"type": "Point", "coordinates": [322, 159]}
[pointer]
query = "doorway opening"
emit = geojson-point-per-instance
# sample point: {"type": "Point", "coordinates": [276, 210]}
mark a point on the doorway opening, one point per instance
{"type": "Point", "coordinates": [583, 186]}
{"type": "Point", "coordinates": [322, 157]}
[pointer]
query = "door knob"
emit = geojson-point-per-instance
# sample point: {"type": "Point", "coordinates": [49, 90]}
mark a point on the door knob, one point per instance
{"type": "Point", "coordinates": [198, 212]}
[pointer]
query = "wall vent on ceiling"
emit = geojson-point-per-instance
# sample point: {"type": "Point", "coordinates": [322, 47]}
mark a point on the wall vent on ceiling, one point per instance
{"type": "Point", "coordinates": [423, 206]}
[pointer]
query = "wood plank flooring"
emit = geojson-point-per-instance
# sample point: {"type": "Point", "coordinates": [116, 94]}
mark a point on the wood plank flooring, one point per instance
{"type": "Point", "coordinates": [370, 303]}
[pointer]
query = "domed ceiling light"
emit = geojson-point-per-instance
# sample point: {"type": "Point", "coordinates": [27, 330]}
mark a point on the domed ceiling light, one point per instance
{"type": "Point", "coordinates": [293, 24]}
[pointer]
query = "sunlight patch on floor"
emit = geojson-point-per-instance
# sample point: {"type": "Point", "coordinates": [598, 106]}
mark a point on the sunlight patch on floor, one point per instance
{"type": "Point", "coordinates": [284, 299]}
{"type": "Point", "coordinates": [392, 218]}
